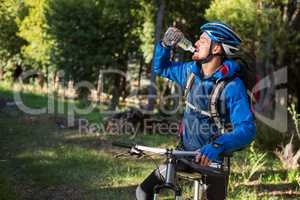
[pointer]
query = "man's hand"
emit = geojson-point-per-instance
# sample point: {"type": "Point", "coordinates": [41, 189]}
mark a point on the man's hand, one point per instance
{"type": "Point", "coordinates": [172, 37]}
{"type": "Point", "coordinates": [202, 160]}
{"type": "Point", "coordinates": [208, 153]}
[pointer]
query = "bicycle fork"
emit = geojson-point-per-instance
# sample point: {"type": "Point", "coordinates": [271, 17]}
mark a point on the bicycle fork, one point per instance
{"type": "Point", "coordinates": [199, 190]}
{"type": "Point", "coordinates": [176, 189]}
{"type": "Point", "coordinates": [169, 181]}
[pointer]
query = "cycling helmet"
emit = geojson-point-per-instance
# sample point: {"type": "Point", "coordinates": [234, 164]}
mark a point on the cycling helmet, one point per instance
{"type": "Point", "coordinates": [222, 33]}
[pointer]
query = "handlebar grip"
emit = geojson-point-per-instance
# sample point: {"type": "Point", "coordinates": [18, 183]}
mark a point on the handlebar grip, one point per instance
{"type": "Point", "coordinates": [205, 170]}
{"type": "Point", "coordinates": [123, 145]}
{"type": "Point", "coordinates": [208, 170]}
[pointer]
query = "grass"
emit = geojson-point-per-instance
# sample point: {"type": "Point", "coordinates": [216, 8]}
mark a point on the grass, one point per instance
{"type": "Point", "coordinates": [58, 106]}
{"type": "Point", "coordinates": [41, 156]}
{"type": "Point", "coordinates": [39, 160]}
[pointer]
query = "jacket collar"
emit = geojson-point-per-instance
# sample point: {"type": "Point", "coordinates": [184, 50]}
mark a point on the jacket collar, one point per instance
{"type": "Point", "coordinates": [227, 70]}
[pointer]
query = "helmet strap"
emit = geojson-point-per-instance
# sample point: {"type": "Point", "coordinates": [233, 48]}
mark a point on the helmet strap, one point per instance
{"type": "Point", "coordinates": [210, 55]}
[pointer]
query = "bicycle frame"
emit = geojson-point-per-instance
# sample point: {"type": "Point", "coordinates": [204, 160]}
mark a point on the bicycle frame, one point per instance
{"type": "Point", "coordinates": [171, 157]}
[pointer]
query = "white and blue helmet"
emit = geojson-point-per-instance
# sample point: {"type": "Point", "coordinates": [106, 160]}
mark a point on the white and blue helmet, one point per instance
{"type": "Point", "coordinates": [222, 33]}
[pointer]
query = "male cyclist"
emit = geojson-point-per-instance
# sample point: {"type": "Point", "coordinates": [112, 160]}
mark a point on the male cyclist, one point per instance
{"type": "Point", "coordinates": [211, 64]}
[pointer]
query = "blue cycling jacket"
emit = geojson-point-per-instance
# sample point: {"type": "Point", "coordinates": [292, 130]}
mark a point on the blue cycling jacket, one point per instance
{"type": "Point", "coordinates": [198, 129]}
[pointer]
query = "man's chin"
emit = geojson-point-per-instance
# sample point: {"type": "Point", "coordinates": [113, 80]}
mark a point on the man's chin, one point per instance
{"type": "Point", "coordinates": [196, 58]}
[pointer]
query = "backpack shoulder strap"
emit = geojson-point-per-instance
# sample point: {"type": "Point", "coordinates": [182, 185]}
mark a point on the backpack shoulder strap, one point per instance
{"type": "Point", "coordinates": [189, 84]}
{"type": "Point", "coordinates": [213, 111]}
{"type": "Point", "coordinates": [213, 103]}
{"type": "Point", "coordinates": [188, 87]}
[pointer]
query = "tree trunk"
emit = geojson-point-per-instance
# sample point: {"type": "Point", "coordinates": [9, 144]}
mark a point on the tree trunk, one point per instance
{"type": "Point", "coordinates": [124, 90]}
{"type": "Point", "coordinates": [55, 81]}
{"type": "Point", "coordinates": [158, 27]}
{"type": "Point", "coordinates": [41, 80]}
{"type": "Point", "coordinates": [115, 92]}
{"type": "Point", "coordinates": [17, 72]}
{"type": "Point", "coordinates": [140, 72]}
{"type": "Point", "coordinates": [1, 74]}
{"type": "Point", "coordinates": [99, 88]}
{"type": "Point", "coordinates": [123, 86]}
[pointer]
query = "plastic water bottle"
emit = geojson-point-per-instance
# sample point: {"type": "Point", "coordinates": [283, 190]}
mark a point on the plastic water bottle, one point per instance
{"type": "Point", "coordinates": [186, 45]}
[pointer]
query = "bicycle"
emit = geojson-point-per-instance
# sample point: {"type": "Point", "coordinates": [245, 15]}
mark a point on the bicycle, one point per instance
{"type": "Point", "coordinates": [171, 179]}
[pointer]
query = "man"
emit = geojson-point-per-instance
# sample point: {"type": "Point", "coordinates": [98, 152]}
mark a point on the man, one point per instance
{"type": "Point", "coordinates": [210, 65]}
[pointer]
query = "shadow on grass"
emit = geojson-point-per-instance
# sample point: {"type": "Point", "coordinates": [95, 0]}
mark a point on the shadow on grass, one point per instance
{"type": "Point", "coordinates": [282, 190]}
{"type": "Point", "coordinates": [114, 193]}
{"type": "Point", "coordinates": [39, 162]}
{"type": "Point", "coordinates": [46, 172]}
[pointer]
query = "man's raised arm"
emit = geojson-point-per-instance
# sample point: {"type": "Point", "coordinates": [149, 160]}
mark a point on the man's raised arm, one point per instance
{"type": "Point", "coordinates": [162, 66]}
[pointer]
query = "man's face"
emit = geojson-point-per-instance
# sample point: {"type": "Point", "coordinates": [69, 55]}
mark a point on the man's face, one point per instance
{"type": "Point", "coordinates": [202, 47]}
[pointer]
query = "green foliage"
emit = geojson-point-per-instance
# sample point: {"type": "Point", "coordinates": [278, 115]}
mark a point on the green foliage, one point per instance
{"type": "Point", "coordinates": [295, 117]}
{"type": "Point", "coordinates": [7, 189]}
{"type": "Point", "coordinates": [89, 35]}
{"type": "Point", "coordinates": [294, 176]}
{"type": "Point", "coordinates": [253, 162]}
{"type": "Point", "coordinates": [262, 26]}
{"type": "Point", "coordinates": [148, 29]}
{"type": "Point", "coordinates": [187, 16]}
{"type": "Point", "coordinates": [240, 14]}
{"type": "Point", "coordinates": [10, 42]}
{"type": "Point", "coordinates": [256, 161]}
{"type": "Point", "coordinates": [31, 29]}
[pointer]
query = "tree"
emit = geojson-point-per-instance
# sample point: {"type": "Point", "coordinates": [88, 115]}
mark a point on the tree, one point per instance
{"type": "Point", "coordinates": [241, 15]}
{"type": "Point", "coordinates": [31, 28]}
{"type": "Point", "coordinates": [90, 35]}
{"type": "Point", "coordinates": [147, 35]}
{"type": "Point", "coordinates": [37, 51]}
{"type": "Point", "coordinates": [158, 28]}
{"type": "Point", "coordinates": [10, 42]}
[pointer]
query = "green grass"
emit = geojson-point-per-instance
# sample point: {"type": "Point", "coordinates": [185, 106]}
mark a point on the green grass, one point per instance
{"type": "Point", "coordinates": [42, 156]}
{"type": "Point", "coordinates": [39, 160]}
{"type": "Point", "coordinates": [61, 106]}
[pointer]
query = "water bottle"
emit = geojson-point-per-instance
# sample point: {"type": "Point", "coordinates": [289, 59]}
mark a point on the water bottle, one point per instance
{"type": "Point", "coordinates": [186, 45]}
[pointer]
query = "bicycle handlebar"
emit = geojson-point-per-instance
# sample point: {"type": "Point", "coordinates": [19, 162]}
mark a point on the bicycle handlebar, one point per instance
{"type": "Point", "coordinates": [123, 145]}
{"type": "Point", "coordinates": [176, 153]}
{"type": "Point", "coordinates": [212, 170]}
{"type": "Point", "coordinates": [151, 149]}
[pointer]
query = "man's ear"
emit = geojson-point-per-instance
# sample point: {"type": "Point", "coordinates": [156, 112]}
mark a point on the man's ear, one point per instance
{"type": "Point", "coordinates": [217, 49]}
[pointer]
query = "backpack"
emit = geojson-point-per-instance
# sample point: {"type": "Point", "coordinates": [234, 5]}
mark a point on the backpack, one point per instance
{"type": "Point", "coordinates": [246, 74]}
